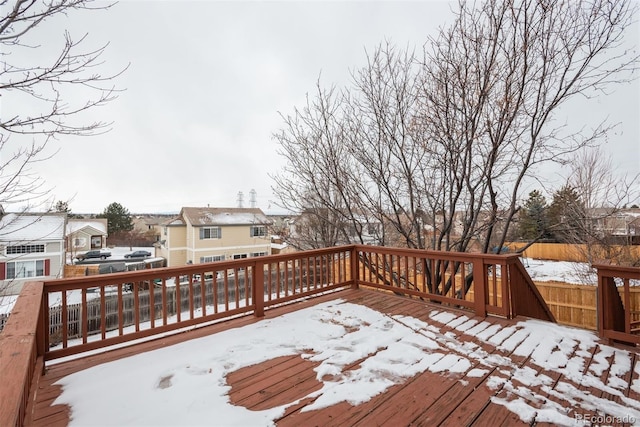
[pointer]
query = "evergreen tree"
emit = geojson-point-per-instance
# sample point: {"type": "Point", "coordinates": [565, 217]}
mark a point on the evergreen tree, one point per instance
{"type": "Point", "coordinates": [118, 219]}
{"type": "Point", "coordinates": [534, 221]}
{"type": "Point", "coordinates": [567, 215]}
{"type": "Point", "coordinates": [62, 207]}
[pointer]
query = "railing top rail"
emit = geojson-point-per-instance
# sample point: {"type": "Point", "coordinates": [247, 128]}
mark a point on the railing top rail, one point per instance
{"type": "Point", "coordinates": [451, 255]}
{"type": "Point", "coordinates": [149, 274]}
{"type": "Point", "coordinates": [71, 283]}
{"type": "Point", "coordinates": [617, 271]}
{"type": "Point", "coordinates": [307, 253]}
{"type": "Point", "coordinates": [146, 274]}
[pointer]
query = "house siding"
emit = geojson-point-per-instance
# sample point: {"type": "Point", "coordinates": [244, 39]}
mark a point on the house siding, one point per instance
{"type": "Point", "coordinates": [183, 245]}
{"type": "Point", "coordinates": [29, 229]}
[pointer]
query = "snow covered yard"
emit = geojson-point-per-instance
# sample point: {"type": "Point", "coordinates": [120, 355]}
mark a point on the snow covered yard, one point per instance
{"type": "Point", "coordinates": [538, 371]}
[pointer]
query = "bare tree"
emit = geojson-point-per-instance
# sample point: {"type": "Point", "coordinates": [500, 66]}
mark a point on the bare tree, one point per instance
{"type": "Point", "coordinates": [601, 232]}
{"type": "Point", "coordinates": [36, 109]}
{"type": "Point", "coordinates": [47, 87]}
{"type": "Point", "coordinates": [452, 145]}
{"type": "Point", "coordinates": [493, 84]}
{"type": "Point", "coordinates": [439, 150]}
{"type": "Point", "coordinates": [321, 179]}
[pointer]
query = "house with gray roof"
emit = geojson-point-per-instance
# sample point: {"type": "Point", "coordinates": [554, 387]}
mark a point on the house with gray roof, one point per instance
{"type": "Point", "coordinates": [200, 235]}
{"type": "Point", "coordinates": [32, 247]}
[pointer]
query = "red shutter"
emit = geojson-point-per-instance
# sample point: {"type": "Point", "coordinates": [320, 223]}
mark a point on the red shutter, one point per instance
{"type": "Point", "coordinates": [3, 270]}
{"type": "Point", "coordinates": [47, 266]}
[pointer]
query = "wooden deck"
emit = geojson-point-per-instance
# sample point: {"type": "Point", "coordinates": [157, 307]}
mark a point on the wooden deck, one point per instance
{"type": "Point", "coordinates": [429, 398]}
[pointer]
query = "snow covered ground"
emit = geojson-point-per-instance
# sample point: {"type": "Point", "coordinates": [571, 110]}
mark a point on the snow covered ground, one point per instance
{"type": "Point", "coordinates": [577, 273]}
{"type": "Point", "coordinates": [192, 375]}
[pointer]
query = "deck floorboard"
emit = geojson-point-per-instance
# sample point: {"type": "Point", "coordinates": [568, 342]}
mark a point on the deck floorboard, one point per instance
{"type": "Point", "coordinates": [429, 398]}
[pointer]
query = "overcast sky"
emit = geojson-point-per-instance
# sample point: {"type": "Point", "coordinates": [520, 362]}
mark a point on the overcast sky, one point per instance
{"type": "Point", "coordinates": [207, 81]}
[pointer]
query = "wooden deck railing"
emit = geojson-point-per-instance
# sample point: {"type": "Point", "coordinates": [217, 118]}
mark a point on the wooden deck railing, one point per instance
{"type": "Point", "coordinates": [618, 317]}
{"type": "Point", "coordinates": [21, 354]}
{"type": "Point", "coordinates": [483, 283]}
{"type": "Point", "coordinates": [64, 317]}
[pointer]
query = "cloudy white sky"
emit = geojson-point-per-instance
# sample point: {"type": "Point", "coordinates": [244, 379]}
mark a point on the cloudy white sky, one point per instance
{"type": "Point", "coordinates": [206, 83]}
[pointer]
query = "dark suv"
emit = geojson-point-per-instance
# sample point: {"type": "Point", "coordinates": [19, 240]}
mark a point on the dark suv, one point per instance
{"type": "Point", "coordinates": [93, 254]}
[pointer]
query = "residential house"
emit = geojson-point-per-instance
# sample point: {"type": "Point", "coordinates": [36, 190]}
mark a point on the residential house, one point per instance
{"type": "Point", "coordinates": [86, 234]}
{"type": "Point", "coordinates": [617, 226]}
{"type": "Point", "coordinates": [199, 235]}
{"type": "Point", "coordinates": [147, 225]}
{"type": "Point", "coordinates": [317, 228]}
{"type": "Point", "coordinates": [32, 247]}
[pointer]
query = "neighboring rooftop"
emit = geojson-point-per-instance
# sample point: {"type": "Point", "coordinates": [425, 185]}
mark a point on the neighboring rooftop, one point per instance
{"type": "Point", "coordinates": [224, 216]}
{"type": "Point", "coordinates": [29, 227]}
{"type": "Point", "coordinates": [74, 225]}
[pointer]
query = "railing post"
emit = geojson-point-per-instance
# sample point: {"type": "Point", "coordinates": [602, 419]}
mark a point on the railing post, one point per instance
{"type": "Point", "coordinates": [355, 268]}
{"type": "Point", "coordinates": [42, 331]}
{"type": "Point", "coordinates": [45, 320]}
{"type": "Point", "coordinates": [600, 304]}
{"type": "Point", "coordinates": [480, 287]}
{"type": "Point", "coordinates": [258, 289]}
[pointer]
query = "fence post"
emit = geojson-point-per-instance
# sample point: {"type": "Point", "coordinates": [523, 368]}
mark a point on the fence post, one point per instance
{"type": "Point", "coordinates": [355, 267]}
{"type": "Point", "coordinates": [480, 287]}
{"type": "Point", "coordinates": [257, 286]}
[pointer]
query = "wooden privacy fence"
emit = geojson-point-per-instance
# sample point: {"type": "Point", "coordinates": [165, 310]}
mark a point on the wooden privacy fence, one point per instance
{"type": "Point", "coordinates": [573, 305]}
{"type": "Point", "coordinates": [570, 252]}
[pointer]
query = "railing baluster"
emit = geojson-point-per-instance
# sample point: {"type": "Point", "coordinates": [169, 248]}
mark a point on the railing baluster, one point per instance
{"type": "Point", "coordinates": [627, 305]}
{"type": "Point", "coordinates": [120, 311]}
{"type": "Point", "coordinates": [103, 312]}
{"type": "Point", "coordinates": [136, 304]}
{"type": "Point", "coordinates": [178, 299]}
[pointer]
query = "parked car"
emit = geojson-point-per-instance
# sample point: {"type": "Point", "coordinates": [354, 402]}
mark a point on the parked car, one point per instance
{"type": "Point", "coordinates": [94, 254]}
{"type": "Point", "coordinates": [138, 254]}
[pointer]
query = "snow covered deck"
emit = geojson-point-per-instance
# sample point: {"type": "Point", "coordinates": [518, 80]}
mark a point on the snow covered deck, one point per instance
{"type": "Point", "coordinates": [354, 357]}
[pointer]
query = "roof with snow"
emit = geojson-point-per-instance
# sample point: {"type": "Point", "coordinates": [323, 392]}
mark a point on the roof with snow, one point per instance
{"type": "Point", "coordinates": [200, 217]}
{"type": "Point", "coordinates": [74, 225]}
{"type": "Point", "coordinates": [32, 227]}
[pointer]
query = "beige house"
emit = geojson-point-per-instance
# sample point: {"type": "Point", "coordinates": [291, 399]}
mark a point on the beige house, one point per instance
{"type": "Point", "coordinates": [199, 235]}
{"type": "Point", "coordinates": [86, 234]}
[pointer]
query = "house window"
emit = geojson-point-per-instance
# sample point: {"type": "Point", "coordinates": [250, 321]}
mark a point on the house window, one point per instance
{"type": "Point", "coordinates": [210, 233]}
{"type": "Point", "coordinates": [24, 249]}
{"type": "Point", "coordinates": [239, 256]}
{"type": "Point", "coordinates": [213, 258]}
{"type": "Point", "coordinates": [23, 269]}
{"type": "Point", "coordinates": [258, 231]}
{"type": "Point", "coordinates": [254, 254]}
